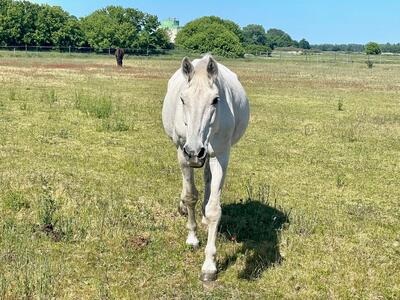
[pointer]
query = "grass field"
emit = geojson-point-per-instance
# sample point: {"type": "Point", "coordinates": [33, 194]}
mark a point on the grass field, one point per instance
{"type": "Point", "coordinates": [90, 184]}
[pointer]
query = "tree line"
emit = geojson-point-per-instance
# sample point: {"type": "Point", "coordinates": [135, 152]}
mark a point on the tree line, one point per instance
{"type": "Point", "coordinates": [390, 48]}
{"type": "Point", "coordinates": [226, 38]}
{"type": "Point", "coordinates": [26, 23]}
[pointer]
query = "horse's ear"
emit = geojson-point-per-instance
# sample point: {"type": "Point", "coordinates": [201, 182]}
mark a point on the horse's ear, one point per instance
{"type": "Point", "coordinates": [187, 69]}
{"type": "Point", "coordinates": [212, 68]}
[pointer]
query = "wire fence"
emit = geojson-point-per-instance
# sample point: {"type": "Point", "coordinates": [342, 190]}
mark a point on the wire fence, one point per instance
{"type": "Point", "coordinates": [335, 57]}
{"type": "Point", "coordinates": [83, 50]}
{"type": "Point", "coordinates": [284, 56]}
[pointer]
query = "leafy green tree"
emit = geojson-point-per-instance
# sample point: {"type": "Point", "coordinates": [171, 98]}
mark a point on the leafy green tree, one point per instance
{"type": "Point", "coordinates": [71, 34]}
{"type": "Point", "coordinates": [4, 4]}
{"type": "Point", "coordinates": [372, 48]}
{"type": "Point", "coordinates": [26, 23]}
{"type": "Point", "coordinates": [279, 38]}
{"type": "Point", "coordinates": [17, 22]}
{"type": "Point", "coordinates": [115, 26]}
{"type": "Point", "coordinates": [50, 21]}
{"type": "Point", "coordinates": [304, 44]}
{"type": "Point", "coordinates": [211, 34]}
{"type": "Point", "coordinates": [254, 34]}
{"type": "Point", "coordinates": [150, 35]}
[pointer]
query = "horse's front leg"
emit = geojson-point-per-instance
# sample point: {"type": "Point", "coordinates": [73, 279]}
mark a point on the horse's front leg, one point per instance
{"type": "Point", "coordinates": [189, 197]}
{"type": "Point", "coordinates": [212, 214]}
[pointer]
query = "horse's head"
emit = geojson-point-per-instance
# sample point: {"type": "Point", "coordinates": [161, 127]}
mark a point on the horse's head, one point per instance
{"type": "Point", "coordinates": [199, 100]}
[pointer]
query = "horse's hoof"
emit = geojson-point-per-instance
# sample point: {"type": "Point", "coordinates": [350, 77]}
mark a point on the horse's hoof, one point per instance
{"type": "Point", "coordinates": [204, 221]}
{"type": "Point", "coordinates": [182, 210]}
{"type": "Point", "coordinates": [195, 247]}
{"type": "Point", "coordinates": [208, 277]}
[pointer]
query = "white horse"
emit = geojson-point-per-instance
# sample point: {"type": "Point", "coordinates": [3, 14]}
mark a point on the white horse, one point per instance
{"type": "Point", "coordinates": [205, 112]}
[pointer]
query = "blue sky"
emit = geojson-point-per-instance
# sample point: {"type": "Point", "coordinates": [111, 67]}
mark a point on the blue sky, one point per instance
{"type": "Point", "coordinates": [340, 21]}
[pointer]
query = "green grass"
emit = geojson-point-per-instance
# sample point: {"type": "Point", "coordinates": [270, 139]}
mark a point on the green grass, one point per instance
{"type": "Point", "coordinates": [89, 183]}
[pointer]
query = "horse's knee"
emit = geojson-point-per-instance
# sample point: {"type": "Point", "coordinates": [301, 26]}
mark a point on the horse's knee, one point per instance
{"type": "Point", "coordinates": [212, 212]}
{"type": "Point", "coordinates": [190, 199]}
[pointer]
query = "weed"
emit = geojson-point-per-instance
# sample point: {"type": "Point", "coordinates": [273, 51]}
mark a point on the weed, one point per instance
{"type": "Point", "coordinates": [16, 201]}
{"type": "Point", "coordinates": [48, 208]}
{"type": "Point", "coordinates": [23, 106]}
{"type": "Point", "coordinates": [340, 180]}
{"type": "Point", "coordinates": [369, 63]}
{"type": "Point", "coordinates": [340, 105]}
{"type": "Point", "coordinates": [116, 123]}
{"type": "Point", "coordinates": [12, 96]}
{"type": "Point", "coordinates": [100, 107]}
{"type": "Point", "coordinates": [64, 133]}
{"type": "Point", "coordinates": [52, 96]}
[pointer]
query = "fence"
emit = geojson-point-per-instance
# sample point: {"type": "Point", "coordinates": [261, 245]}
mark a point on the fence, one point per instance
{"type": "Point", "coordinates": [83, 50]}
{"type": "Point", "coordinates": [289, 56]}
{"type": "Point", "coordinates": [335, 57]}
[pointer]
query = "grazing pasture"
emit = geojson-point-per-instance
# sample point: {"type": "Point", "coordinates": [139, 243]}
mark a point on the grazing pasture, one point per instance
{"type": "Point", "coordinates": [90, 184]}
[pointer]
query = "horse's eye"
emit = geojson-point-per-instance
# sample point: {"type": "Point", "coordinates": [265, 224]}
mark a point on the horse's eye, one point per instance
{"type": "Point", "coordinates": [215, 101]}
{"type": "Point", "coordinates": [183, 102]}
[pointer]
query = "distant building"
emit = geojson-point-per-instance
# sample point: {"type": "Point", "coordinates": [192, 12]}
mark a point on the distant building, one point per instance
{"type": "Point", "coordinates": [171, 25]}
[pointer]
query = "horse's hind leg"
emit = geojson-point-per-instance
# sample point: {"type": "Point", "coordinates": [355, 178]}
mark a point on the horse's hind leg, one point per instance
{"type": "Point", "coordinates": [189, 197]}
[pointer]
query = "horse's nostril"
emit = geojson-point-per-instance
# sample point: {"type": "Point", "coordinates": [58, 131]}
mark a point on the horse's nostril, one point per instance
{"type": "Point", "coordinates": [186, 152]}
{"type": "Point", "coordinates": [202, 152]}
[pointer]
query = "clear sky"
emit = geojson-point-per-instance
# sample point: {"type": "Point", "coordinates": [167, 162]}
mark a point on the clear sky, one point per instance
{"type": "Point", "coordinates": [330, 21]}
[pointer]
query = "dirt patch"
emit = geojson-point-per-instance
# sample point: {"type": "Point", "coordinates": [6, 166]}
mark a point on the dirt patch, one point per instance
{"type": "Point", "coordinates": [49, 230]}
{"type": "Point", "coordinates": [137, 242]}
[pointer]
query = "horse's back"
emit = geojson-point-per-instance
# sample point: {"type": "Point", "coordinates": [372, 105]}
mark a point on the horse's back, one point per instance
{"type": "Point", "coordinates": [238, 103]}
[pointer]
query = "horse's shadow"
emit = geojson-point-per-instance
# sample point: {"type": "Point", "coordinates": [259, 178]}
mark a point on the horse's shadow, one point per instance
{"type": "Point", "coordinates": [257, 226]}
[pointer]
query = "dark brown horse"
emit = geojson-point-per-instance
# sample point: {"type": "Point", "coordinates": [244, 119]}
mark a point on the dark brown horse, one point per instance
{"type": "Point", "coordinates": [119, 55]}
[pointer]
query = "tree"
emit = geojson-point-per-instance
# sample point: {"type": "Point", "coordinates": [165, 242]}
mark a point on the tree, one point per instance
{"type": "Point", "coordinates": [26, 23]}
{"type": "Point", "coordinates": [254, 35]}
{"type": "Point", "coordinates": [372, 48]}
{"type": "Point", "coordinates": [211, 34]}
{"type": "Point", "coordinates": [279, 38]}
{"type": "Point", "coordinates": [150, 35]}
{"type": "Point", "coordinates": [118, 27]}
{"type": "Point", "coordinates": [17, 22]}
{"type": "Point", "coordinates": [70, 34]}
{"type": "Point", "coordinates": [304, 44]}
{"type": "Point", "coordinates": [49, 23]}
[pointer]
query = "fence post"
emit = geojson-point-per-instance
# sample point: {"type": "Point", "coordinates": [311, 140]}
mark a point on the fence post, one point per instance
{"type": "Point", "coordinates": [69, 50]}
{"type": "Point", "coordinates": [26, 48]}
{"type": "Point", "coordinates": [14, 50]}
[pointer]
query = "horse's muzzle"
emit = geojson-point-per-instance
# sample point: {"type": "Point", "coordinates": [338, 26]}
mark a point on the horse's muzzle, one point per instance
{"type": "Point", "coordinates": [195, 162]}
{"type": "Point", "coordinates": [196, 159]}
